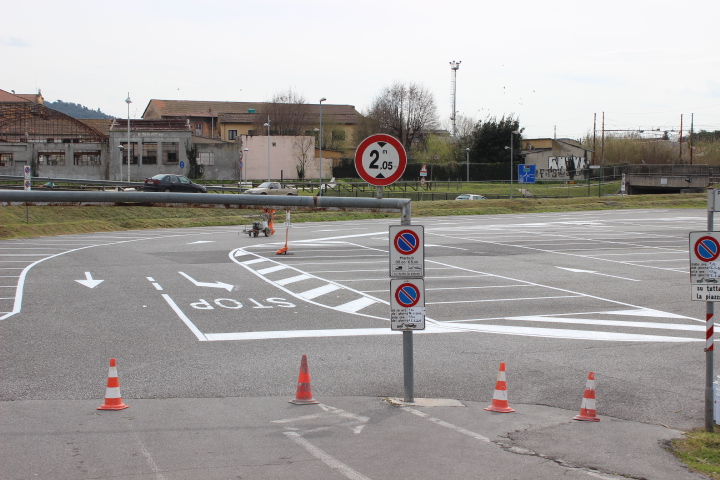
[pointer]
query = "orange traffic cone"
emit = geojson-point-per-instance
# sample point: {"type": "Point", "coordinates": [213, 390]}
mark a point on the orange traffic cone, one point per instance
{"type": "Point", "coordinates": [284, 250]}
{"type": "Point", "coordinates": [113, 400]}
{"type": "Point", "coordinates": [587, 407]}
{"type": "Point", "coordinates": [500, 399]}
{"type": "Point", "coordinates": [304, 392]}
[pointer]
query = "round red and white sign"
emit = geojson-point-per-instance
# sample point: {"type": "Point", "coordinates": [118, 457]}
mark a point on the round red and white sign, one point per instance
{"type": "Point", "coordinates": [380, 160]}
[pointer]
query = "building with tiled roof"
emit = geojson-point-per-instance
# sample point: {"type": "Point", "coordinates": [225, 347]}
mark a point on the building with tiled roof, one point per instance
{"type": "Point", "coordinates": [229, 121]}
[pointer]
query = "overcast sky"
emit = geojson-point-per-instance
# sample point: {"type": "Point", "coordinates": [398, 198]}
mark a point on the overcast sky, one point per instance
{"type": "Point", "coordinates": [553, 63]}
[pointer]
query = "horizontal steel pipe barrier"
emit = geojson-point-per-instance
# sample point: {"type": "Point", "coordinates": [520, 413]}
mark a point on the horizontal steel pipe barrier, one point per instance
{"type": "Point", "coordinates": [160, 199]}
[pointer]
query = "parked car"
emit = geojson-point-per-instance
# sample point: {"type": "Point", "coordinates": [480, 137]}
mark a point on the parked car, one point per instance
{"type": "Point", "coordinates": [171, 183]}
{"type": "Point", "coordinates": [469, 196]}
{"type": "Point", "coordinates": [272, 188]}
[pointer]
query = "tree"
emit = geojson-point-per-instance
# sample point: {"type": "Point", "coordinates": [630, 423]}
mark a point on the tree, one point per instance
{"type": "Point", "coordinates": [303, 146]}
{"type": "Point", "coordinates": [405, 111]}
{"type": "Point", "coordinates": [195, 171]}
{"type": "Point", "coordinates": [489, 139]}
{"type": "Point", "coordinates": [288, 114]}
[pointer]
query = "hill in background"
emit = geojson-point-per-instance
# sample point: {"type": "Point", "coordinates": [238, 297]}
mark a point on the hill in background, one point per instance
{"type": "Point", "coordinates": [75, 110]}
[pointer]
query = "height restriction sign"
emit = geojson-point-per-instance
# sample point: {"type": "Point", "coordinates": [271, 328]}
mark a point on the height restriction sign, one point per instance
{"type": "Point", "coordinates": [380, 160]}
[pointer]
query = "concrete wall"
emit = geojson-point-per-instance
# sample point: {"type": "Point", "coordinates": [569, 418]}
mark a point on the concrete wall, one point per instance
{"type": "Point", "coordinates": [285, 153]}
{"type": "Point", "coordinates": [553, 164]}
{"type": "Point", "coordinates": [155, 141]}
{"type": "Point", "coordinates": [26, 153]}
{"type": "Point", "coordinates": [224, 157]}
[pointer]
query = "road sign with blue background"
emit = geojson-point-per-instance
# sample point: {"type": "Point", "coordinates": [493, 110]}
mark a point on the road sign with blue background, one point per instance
{"type": "Point", "coordinates": [526, 173]}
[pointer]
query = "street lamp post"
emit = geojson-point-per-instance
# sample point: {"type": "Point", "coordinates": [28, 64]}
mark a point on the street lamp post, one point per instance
{"type": "Point", "coordinates": [128, 101]}
{"type": "Point", "coordinates": [512, 158]}
{"type": "Point", "coordinates": [467, 162]}
{"type": "Point", "coordinates": [268, 142]}
{"type": "Point", "coordinates": [321, 145]}
{"type": "Point", "coordinates": [245, 164]}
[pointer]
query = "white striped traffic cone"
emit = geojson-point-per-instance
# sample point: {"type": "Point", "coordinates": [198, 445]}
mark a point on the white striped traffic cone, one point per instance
{"type": "Point", "coordinates": [587, 407]}
{"type": "Point", "coordinates": [113, 400]}
{"type": "Point", "coordinates": [500, 399]}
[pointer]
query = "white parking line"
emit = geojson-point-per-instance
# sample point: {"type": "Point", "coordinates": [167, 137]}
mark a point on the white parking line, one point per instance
{"type": "Point", "coordinates": [328, 460]}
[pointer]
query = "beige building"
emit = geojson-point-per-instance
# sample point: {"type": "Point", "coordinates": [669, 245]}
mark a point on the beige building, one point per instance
{"type": "Point", "coordinates": [556, 159]}
{"type": "Point", "coordinates": [228, 121]}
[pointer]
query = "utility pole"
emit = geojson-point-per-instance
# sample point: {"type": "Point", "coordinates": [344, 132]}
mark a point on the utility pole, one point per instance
{"type": "Point", "coordinates": [680, 139]}
{"type": "Point", "coordinates": [692, 135]}
{"type": "Point", "coordinates": [454, 66]}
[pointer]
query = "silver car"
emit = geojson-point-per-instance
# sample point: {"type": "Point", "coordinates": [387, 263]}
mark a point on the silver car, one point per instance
{"type": "Point", "coordinates": [272, 188]}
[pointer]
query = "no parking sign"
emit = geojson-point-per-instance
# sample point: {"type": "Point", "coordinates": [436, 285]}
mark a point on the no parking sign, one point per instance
{"type": "Point", "coordinates": [407, 253]}
{"type": "Point", "coordinates": [407, 304]}
{"type": "Point", "coordinates": [705, 266]}
{"type": "Point", "coordinates": [28, 171]}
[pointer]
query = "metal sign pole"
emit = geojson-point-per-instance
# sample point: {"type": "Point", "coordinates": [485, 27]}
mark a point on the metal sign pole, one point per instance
{"type": "Point", "coordinates": [408, 359]}
{"type": "Point", "coordinates": [709, 334]}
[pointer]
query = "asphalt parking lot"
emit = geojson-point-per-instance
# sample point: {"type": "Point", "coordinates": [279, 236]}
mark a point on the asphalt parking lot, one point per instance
{"type": "Point", "coordinates": [213, 322]}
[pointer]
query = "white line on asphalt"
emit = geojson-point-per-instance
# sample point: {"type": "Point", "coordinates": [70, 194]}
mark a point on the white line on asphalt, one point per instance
{"type": "Point", "coordinates": [297, 419]}
{"type": "Point", "coordinates": [200, 336]}
{"type": "Point", "coordinates": [149, 458]}
{"type": "Point", "coordinates": [443, 423]}
{"type": "Point", "coordinates": [319, 291]}
{"type": "Point", "coordinates": [296, 278]}
{"type": "Point", "coordinates": [510, 299]}
{"type": "Point", "coordinates": [325, 458]}
{"type": "Point", "coordinates": [614, 323]}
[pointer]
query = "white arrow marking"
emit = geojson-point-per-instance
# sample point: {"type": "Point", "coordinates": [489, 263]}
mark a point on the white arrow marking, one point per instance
{"type": "Point", "coordinates": [205, 284]}
{"type": "Point", "coordinates": [576, 270]}
{"type": "Point", "coordinates": [89, 281]}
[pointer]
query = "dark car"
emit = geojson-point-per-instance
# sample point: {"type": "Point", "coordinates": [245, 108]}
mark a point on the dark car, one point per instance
{"type": "Point", "coordinates": [171, 183]}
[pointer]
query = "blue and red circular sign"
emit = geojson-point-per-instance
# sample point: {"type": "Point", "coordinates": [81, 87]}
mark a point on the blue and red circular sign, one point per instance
{"type": "Point", "coordinates": [707, 249]}
{"type": "Point", "coordinates": [407, 295]}
{"type": "Point", "coordinates": [407, 242]}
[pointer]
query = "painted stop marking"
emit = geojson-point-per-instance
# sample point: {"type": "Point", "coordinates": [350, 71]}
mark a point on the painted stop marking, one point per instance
{"type": "Point", "coordinates": [707, 249]}
{"type": "Point", "coordinates": [407, 295]}
{"type": "Point", "coordinates": [407, 242]}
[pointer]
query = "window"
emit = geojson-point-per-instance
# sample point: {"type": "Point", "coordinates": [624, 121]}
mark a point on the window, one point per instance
{"type": "Point", "coordinates": [232, 134]}
{"type": "Point", "coordinates": [51, 158]}
{"type": "Point", "coordinates": [198, 129]}
{"type": "Point", "coordinates": [87, 159]}
{"type": "Point", "coordinates": [149, 156]}
{"type": "Point", "coordinates": [338, 135]}
{"type": "Point", "coordinates": [170, 152]}
{"type": "Point", "coordinates": [131, 151]}
{"type": "Point", "coordinates": [206, 158]}
{"type": "Point", "coordinates": [6, 159]}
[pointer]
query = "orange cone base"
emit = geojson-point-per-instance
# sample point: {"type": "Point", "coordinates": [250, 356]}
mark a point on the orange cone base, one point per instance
{"type": "Point", "coordinates": [111, 406]}
{"type": "Point", "coordinates": [586, 416]}
{"type": "Point", "coordinates": [493, 408]}
{"type": "Point", "coordinates": [298, 401]}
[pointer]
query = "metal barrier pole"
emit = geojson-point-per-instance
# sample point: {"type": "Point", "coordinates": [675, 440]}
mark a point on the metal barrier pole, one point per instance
{"type": "Point", "coordinates": [408, 359]}
{"type": "Point", "coordinates": [710, 340]}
